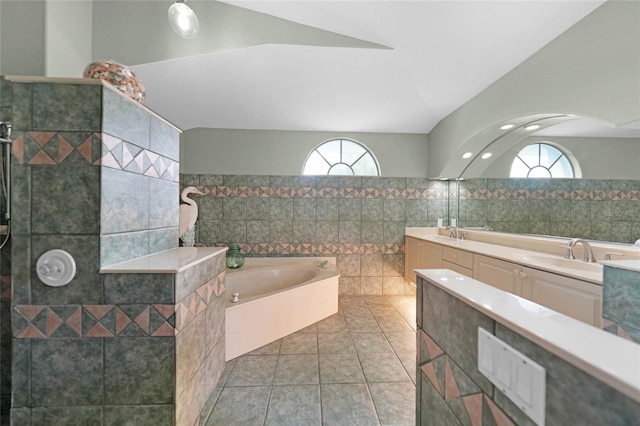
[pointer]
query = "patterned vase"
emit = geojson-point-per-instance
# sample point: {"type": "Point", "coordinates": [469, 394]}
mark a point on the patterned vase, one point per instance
{"type": "Point", "coordinates": [119, 76]}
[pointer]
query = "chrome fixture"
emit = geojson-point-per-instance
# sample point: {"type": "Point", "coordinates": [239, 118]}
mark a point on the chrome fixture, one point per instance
{"type": "Point", "coordinates": [588, 251]}
{"type": "Point", "coordinates": [607, 256]}
{"type": "Point", "coordinates": [234, 298]}
{"type": "Point", "coordinates": [183, 19]}
{"type": "Point", "coordinates": [487, 228]}
{"type": "Point", "coordinates": [453, 231]}
{"type": "Point", "coordinates": [5, 175]}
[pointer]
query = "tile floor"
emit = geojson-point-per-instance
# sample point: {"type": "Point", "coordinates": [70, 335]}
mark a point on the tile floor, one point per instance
{"type": "Point", "coordinates": [356, 367]}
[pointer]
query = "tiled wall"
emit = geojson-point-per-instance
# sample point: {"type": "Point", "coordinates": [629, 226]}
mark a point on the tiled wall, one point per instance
{"type": "Point", "coordinates": [604, 210]}
{"type": "Point", "coordinates": [360, 220]}
{"type": "Point", "coordinates": [621, 302]}
{"type": "Point", "coordinates": [95, 175]}
{"type": "Point", "coordinates": [5, 283]}
{"type": "Point", "coordinates": [451, 390]}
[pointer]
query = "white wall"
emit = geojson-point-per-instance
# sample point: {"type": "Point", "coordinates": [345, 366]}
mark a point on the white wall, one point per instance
{"type": "Point", "coordinates": [22, 26]}
{"type": "Point", "coordinates": [268, 152]}
{"type": "Point", "coordinates": [592, 70]}
{"type": "Point", "coordinates": [599, 158]}
{"type": "Point", "coordinates": [67, 37]}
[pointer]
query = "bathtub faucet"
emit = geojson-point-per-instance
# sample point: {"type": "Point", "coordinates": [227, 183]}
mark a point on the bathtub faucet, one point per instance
{"type": "Point", "coordinates": [234, 298]}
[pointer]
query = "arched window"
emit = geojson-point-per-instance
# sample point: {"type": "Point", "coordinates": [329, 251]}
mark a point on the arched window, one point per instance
{"type": "Point", "coordinates": [541, 160]}
{"type": "Point", "coordinates": [341, 157]}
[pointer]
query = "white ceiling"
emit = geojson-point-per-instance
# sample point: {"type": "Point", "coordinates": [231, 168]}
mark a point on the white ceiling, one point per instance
{"type": "Point", "coordinates": [442, 53]}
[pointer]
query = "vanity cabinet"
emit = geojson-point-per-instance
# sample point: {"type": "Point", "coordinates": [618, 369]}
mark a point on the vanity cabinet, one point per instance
{"type": "Point", "coordinates": [575, 298]}
{"type": "Point", "coordinates": [457, 260]}
{"type": "Point", "coordinates": [420, 254]}
{"type": "Point", "coordinates": [506, 276]}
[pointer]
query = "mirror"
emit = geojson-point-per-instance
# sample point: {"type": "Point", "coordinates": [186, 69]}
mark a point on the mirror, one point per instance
{"type": "Point", "coordinates": [601, 202]}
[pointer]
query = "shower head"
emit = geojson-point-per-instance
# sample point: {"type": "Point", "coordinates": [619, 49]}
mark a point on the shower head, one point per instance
{"type": "Point", "coordinates": [5, 132]}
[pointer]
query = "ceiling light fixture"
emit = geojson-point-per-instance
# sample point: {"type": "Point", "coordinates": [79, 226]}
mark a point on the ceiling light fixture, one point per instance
{"type": "Point", "coordinates": [507, 126]}
{"type": "Point", "coordinates": [183, 19]}
{"type": "Point", "coordinates": [467, 155]}
{"type": "Point", "coordinates": [486, 155]}
{"type": "Point", "coordinates": [532, 127]}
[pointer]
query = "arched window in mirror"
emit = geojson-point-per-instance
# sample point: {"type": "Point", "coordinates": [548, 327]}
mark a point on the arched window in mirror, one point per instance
{"type": "Point", "coordinates": [541, 160]}
{"type": "Point", "coordinates": [341, 157]}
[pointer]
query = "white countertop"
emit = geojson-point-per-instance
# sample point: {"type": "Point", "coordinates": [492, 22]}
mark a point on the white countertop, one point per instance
{"type": "Point", "coordinates": [631, 265]}
{"type": "Point", "coordinates": [165, 262]}
{"type": "Point", "coordinates": [510, 254]}
{"type": "Point", "coordinates": [611, 359]}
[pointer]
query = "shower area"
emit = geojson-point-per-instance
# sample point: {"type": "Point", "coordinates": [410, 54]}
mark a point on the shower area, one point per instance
{"type": "Point", "coordinates": [5, 255]}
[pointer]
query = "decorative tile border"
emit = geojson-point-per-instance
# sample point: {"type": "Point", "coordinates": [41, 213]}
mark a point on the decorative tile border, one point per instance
{"type": "Point", "coordinates": [130, 320]}
{"type": "Point", "coordinates": [5, 287]}
{"type": "Point", "coordinates": [52, 148]}
{"type": "Point", "coordinates": [222, 191]}
{"type": "Point", "coordinates": [321, 249]}
{"type": "Point", "coordinates": [122, 155]}
{"type": "Point", "coordinates": [539, 194]}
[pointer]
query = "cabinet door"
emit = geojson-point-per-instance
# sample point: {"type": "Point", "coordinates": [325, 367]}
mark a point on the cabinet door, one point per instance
{"type": "Point", "coordinates": [575, 298]}
{"type": "Point", "coordinates": [411, 256]}
{"type": "Point", "coordinates": [498, 273]}
{"type": "Point", "coordinates": [419, 254]}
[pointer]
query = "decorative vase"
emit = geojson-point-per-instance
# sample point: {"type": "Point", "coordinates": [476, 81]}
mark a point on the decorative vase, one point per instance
{"type": "Point", "coordinates": [235, 259]}
{"type": "Point", "coordinates": [118, 75]}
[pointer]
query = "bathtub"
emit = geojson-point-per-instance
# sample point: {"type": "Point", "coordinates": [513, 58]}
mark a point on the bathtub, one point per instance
{"type": "Point", "coordinates": [277, 296]}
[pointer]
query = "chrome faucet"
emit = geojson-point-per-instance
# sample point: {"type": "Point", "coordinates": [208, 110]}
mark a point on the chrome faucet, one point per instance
{"type": "Point", "coordinates": [487, 228]}
{"type": "Point", "coordinates": [453, 231]}
{"type": "Point", "coordinates": [588, 251]}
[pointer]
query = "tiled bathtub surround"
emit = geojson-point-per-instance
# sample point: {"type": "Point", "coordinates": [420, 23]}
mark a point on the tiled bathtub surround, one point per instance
{"type": "Point", "coordinates": [621, 302]}
{"type": "Point", "coordinates": [360, 220]}
{"type": "Point", "coordinates": [604, 210]}
{"type": "Point", "coordinates": [452, 391]}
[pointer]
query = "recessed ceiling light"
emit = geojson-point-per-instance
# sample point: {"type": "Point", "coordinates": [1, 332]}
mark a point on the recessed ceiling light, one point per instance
{"type": "Point", "coordinates": [444, 178]}
{"type": "Point", "coordinates": [467, 155]}
{"type": "Point", "coordinates": [507, 126]}
{"type": "Point", "coordinates": [532, 127]}
{"type": "Point", "coordinates": [486, 155]}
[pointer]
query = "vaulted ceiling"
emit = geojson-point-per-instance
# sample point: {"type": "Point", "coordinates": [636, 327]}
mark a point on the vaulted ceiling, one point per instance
{"type": "Point", "coordinates": [359, 66]}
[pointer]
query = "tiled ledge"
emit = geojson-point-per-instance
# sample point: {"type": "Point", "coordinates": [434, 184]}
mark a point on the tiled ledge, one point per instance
{"type": "Point", "coordinates": [165, 262]}
{"type": "Point", "coordinates": [610, 359]}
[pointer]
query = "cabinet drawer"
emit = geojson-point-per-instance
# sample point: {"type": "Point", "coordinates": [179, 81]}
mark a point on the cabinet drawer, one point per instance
{"type": "Point", "coordinates": [457, 268]}
{"type": "Point", "coordinates": [459, 257]}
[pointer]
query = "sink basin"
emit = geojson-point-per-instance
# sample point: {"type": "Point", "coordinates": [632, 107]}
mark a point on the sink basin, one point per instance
{"type": "Point", "coordinates": [559, 262]}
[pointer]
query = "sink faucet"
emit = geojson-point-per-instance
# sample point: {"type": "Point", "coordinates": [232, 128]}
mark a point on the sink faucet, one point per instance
{"type": "Point", "coordinates": [453, 231]}
{"type": "Point", "coordinates": [588, 252]}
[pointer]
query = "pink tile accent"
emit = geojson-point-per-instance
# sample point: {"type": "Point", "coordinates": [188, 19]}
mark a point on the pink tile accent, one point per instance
{"type": "Point", "coordinates": [431, 375]}
{"type": "Point", "coordinates": [98, 311]}
{"type": "Point", "coordinates": [143, 320]}
{"type": "Point", "coordinates": [500, 418]}
{"type": "Point", "coordinates": [110, 141]}
{"type": "Point", "coordinates": [75, 321]}
{"type": "Point", "coordinates": [432, 347]}
{"type": "Point", "coordinates": [64, 148]}
{"type": "Point", "coordinates": [85, 148]}
{"type": "Point", "coordinates": [31, 332]}
{"type": "Point", "coordinates": [109, 160]}
{"type": "Point", "coordinates": [122, 321]}
{"type": "Point", "coordinates": [606, 323]}
{"type": "Point", "coordinates": [53, 322]}
{"type": "Point", "coordinates": [17, 148]}
{"type": "Point", "coordinates": [473, 405]}
{"type": "Point", "coordinates": [41, 138]}
{"type": "Point", "coordinates": [98, 330]}
{"type": "Point", "coordinates": [165, 330]}
{"type": "Point", "coordinates": [623, 333]}
{"type": "Point", "coordinates": [165, 310]}
{"type": "Point", "coordinates": [30, 312]}
{"type": "Point", "coordinates": [450, 386]}
{"type": "Point", "coordinates": [41, 158]}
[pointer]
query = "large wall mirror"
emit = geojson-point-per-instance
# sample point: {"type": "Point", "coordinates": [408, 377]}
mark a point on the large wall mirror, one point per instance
{"type": "Point", "coordinates": [553, 174]}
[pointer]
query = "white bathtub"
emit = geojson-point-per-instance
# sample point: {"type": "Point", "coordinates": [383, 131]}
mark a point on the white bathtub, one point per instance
{"type": "Point", "coordinates": [277, 296]}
